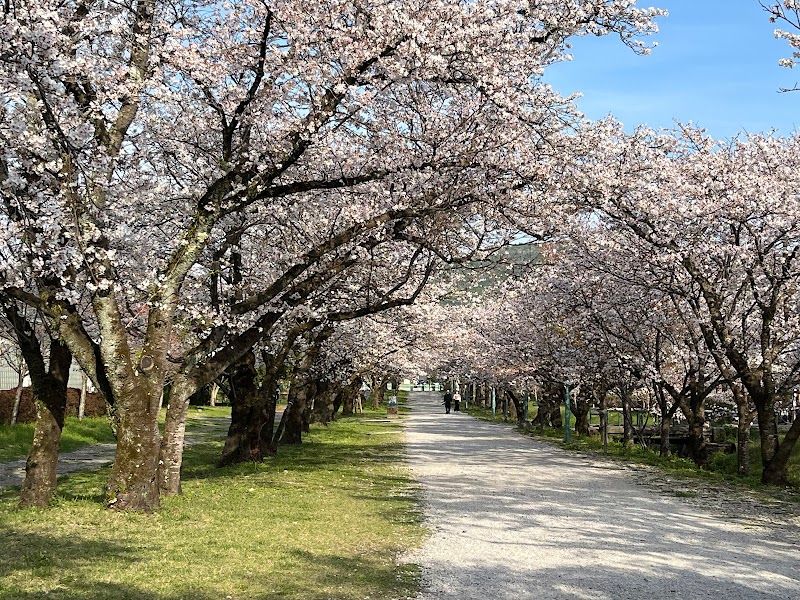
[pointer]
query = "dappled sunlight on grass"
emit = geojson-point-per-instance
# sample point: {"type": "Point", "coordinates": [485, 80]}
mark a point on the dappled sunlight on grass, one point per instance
{"type": "Point", "coordinates": [322, 520]}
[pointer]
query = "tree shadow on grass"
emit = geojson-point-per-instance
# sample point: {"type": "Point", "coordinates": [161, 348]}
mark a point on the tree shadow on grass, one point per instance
{"type": "Point", "coordinates": [28, 556]}
{"type": "Point", "coordinates": [199, 460]}
{"type": "Point", "coordinates": [92, 590]}
{"type": "Point", "coordinates": [329, 576]}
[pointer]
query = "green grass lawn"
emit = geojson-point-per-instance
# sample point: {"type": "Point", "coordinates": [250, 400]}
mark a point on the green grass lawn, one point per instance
{"type": "Point", "coordinates": [15, 440]}
{"type": "Point", "coordinates": [323, 520]}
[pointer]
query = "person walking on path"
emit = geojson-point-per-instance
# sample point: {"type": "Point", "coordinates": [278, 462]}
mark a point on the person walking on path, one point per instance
{"type": "Point", "coordinates": [456, 401]}
{"type": "Point", "coordinates": [512, 517]}
{"type": "Point", "coordinates": [448, 401]}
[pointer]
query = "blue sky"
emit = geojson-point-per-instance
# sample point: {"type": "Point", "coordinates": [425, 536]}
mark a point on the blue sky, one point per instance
{"type": "Point", "coordinates": [715, 66]}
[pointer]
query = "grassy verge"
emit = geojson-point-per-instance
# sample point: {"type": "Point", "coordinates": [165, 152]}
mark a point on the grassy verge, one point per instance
{"type": "Point", "coordinates": [324, 520]}
{"type": "Point", "coordinates": [15, 440]}
{"type": "Point", "coordinates": [723, 466]}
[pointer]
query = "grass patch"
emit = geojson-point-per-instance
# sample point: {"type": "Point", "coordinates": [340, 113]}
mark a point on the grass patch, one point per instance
{"type": "Point", "coordinates": [15, 440]}
{"type": "Point", "coordinates": [323, 520]}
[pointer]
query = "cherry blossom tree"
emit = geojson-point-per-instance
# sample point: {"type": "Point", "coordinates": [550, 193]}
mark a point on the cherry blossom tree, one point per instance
{"type": "Point", "coordinates": [725, 216]}
{"type": "Point", "coordinates": [787, 14]}
{"type": "Point", "coordinates": [152, 146]}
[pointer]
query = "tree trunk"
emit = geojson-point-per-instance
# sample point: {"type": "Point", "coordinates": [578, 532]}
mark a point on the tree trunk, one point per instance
{"type": "Point", "coordinates": [627, 420]}
{"type": "Point", "coordinates": [82, 401]}
{"type": "Point", "coordinates": [50, 393]}
{"type": "Point", "coordinates": [40, 468]}
{"type": "Point", "coordinates": [134, 482]}
{"type": "Point", "coordinates": [378, 392]}
{"type": "Point", "coordinates": [697, 442]}
{"type": "Point", "coordinates": [298, 397]}
{"type": "Point", "coordinates": [517, 405]}
{"type": "Point", "coordinates": [767, 428]}
{"type": "Point", "coordinates": [214, 394]}
{"type": "Point", "coordinates": [582, 410]}
{"type": "Point", "coordinates": [301, 391]}
{"type": "Point", "coordinates": [252, 414]}
{"type": "Point", "coordinates": [776, 471]}
{"type": "Point", "coordinates": [18, 396]}
{"type": "Point", "coordinates": [666, 417]}
{"type": "Point", "coordinates": [602, 397]}
{"type": "Point", "coordinates": [549, 413]}
{"type": "Point", "coordinates": [743, 433]}
{"type": "Point", "coordinates": [172, 441]}
{"type": "Point", "coordinates": [137, 388]}
{"type": "Point", "coordinates": [348, 401]}
{"type": "Point", "coordinates": [322, 409]}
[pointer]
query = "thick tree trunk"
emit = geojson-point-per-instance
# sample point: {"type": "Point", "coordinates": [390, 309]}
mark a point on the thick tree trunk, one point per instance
{"type": "Point", "coordinates": [134, 484]}
{"type": "Point", "coordinates": [698, 450]}
{"type": "Point", "coordinates": [582, 410]}
{"type": "Point", "coordinates": [517, 405]}
{"type": "Point", "coordinates": [293, 427]}
{"type": "Point", "coordinates": [252, 415]}
{"type": "Point", "coordinates": [301, 391]}
{"type": "Point", "coordinates": [40, 468]}
{"type": "Point", "coordinates": [348, 400]}
{"type": "Point", "coordinates": [776, 471]}
{"type": "Point", "coordinates": [323, 402]}
{"type": "Point", "coordinates": [50, 393]}
{"type": "Point", "coordinates": [136, 388]}
{"type": "Point", "coordinates": [767, 428]}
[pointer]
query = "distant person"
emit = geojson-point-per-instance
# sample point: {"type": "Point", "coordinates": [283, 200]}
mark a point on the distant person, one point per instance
{"type": "Point", "coordinates": [456, 402]}
{"type": "Point", "coordinates": [448, 401]}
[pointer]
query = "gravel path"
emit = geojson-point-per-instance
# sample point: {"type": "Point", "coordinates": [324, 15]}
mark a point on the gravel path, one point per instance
{"type": "Point", "coordinates": [98, 455]}
{"type": "Point", "coordinates": [512, 517]}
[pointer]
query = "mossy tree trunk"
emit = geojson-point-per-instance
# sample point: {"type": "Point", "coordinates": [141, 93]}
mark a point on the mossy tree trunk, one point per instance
{"type": "Point", "coordinates": [50, 395]}
{"type": "Point", "coordinates": [49, 385]}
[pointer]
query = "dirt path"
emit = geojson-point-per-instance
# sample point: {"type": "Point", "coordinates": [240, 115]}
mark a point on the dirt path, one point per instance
{"type": "Point", "coordinates": [98, 455]}
{"type": "Point", "coordinates": [512, 517]}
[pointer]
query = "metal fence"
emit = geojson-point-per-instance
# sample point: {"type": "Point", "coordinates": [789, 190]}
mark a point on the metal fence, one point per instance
{"type": "Point", "coordinates": [9, 378]}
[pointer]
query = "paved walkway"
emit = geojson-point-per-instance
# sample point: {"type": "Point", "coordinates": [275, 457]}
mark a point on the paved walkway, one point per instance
{"type": "Point", "coordinates": [515, 518]}
{"type": "Point", "coordinates": [92, 457]}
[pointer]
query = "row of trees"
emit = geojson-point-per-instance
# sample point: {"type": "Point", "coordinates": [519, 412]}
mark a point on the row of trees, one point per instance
{"type": "Point", "coordinates": [192, 186]}
{"type": "Point", "coordinates": [677, 276]}
{"type": "Point", "coordinates": [197, 191]}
